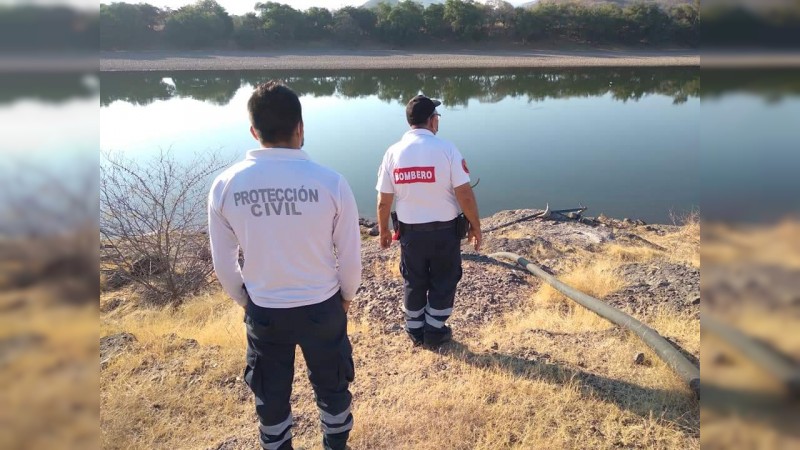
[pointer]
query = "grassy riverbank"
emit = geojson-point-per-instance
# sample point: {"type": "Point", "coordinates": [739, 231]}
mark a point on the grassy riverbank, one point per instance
{"type": "Point", "coordinates": [527, 369]}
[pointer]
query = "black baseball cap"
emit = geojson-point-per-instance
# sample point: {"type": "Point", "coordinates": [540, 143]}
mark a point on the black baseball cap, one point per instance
{"type": "Point", "coordinates": [420, 109]}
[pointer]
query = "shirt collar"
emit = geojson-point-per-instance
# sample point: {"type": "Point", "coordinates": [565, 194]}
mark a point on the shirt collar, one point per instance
{"type": "Point", "coordinates": [419, 132]}
{"type": "Point", "coordinates": [277, 153]}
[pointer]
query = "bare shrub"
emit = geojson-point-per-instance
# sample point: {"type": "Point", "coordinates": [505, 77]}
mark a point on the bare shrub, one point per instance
{"type": "Point", "coordinates": [153, 222]}
{"type": "Point", "coordinates": [48, 229]}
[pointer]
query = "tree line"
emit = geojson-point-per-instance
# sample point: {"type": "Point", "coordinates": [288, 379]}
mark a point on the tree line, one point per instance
{"type": "Point", "coordinates": [454, 88]}
{"type": "Point", "coordinates": [776, 25]}
{"type": "Point", "coordinates": [26, 28]}
{"type": "Point", "coordinates": [206, 24]}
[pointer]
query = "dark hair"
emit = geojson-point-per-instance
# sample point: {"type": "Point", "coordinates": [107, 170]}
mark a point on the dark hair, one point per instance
{"type": "Point", "coordinates": [274, 111]}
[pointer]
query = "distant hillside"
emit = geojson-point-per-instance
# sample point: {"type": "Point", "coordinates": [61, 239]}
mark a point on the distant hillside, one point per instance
{"type": "Point", "coordinates": [374, 3]}
{"type": "Point", "coordinates": [619, 2]}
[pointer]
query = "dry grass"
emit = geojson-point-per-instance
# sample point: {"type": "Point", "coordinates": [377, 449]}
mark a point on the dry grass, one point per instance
{"type": "Point", "coordinates": [630, 254]}
{"type": "Point", "coordinates": [512, 232]}
{"type": "Point", "coordinates": [162, 382]}
{"type": "Point", "coordinates": [598, 278]}
{"type": "Point", "coordinates": [777, 245]}
{"type": "Point", "coordinates": [683, 246]}
{"type": "Point", "coordinates": [731, 418]}
{"type": "Point", "coordinates": [550, 375]}
{"type": "Point", "coordinates": [497, 401]}
{"type": "Point", "coordinates": [750, 408]}
{"type": "Point", "coordinates": [210, 318]}
{"type": "Point", "coordinates": [48, 357]}
{"type": "Point", "coordinates": [761, 325]}
{"type": "Point", "coordinates": [389, 267]}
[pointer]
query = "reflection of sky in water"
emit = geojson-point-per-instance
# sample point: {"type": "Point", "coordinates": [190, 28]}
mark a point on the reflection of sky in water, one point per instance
{"type": "Point", "coordinates": [626, 159]}
{"type": "Point", "coordinates": [49, 168]}
{"type": "Point", "coordinates": [50, 134]}
{"type": "Point", "coordinates": [750, 157]}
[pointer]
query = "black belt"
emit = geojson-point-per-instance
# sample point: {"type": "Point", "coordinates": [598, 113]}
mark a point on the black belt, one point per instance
{"type": "Point", "coordinates": [430, 226]}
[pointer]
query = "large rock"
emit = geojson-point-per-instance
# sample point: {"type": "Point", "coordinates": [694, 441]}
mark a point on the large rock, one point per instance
{"type": "Point", "coordinates": [367, 223]}
{"type": "Point", "coordinates": [114, 280]}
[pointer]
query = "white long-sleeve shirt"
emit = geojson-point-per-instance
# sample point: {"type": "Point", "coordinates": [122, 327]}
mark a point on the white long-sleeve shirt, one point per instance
{"type": "Point", "coordinates": [297, 224]}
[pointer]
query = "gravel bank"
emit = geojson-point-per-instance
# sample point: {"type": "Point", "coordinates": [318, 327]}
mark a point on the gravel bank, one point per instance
{"type": "Point", "coordinates": [490, 289]}
{"type": "Point", "coordinates": [387, 59]}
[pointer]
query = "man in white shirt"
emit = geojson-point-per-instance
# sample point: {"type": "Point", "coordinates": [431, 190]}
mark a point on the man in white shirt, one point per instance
{"type": "Point", "coordinates": [430, 181]}
{"type": "Point", "coordinates": [297, 225]}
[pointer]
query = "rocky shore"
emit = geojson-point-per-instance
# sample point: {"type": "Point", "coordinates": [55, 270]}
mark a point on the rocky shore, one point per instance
{"type": "Point", "coordinates": [389, 59]}
{"type": "Point", "coordinates": [491, 288]}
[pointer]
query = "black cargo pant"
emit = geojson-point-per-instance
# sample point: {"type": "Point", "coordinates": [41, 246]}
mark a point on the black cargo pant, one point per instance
{"type": "Point", "coordinates": [430, 262]}
{"type": "Point", "coordinates": [321, 332]}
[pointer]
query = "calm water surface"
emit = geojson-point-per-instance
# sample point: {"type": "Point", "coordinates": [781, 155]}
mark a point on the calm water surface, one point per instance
{"type": "Point", "coordinates": [624, 142]}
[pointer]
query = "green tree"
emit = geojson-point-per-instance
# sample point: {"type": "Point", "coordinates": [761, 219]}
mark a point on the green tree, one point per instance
{"type": "Point", "coordinates": [500, 18]}
{"type": "Point", "coordinates": [201, 24]}
{"type": "Point", "coordinates": [604, 22]}
{"type": "Point", "coordinates": [366, 19]}
{"type": "Point", "coordinates": [400, 24]}
{"type": "Point", "coordinates": [318, 23]}
{"type": "Point", "coordinates": [248, 31]}
{"type": "Point", "coordinates": [685, 24]}
{"type": "Point", "coordinates": [465, 18]}
{"type": "Point", "coordinates": [555, 20]}
{"type": "Point", "coordinates": [528, 26]}
{"type": "Point", "coordinates": [124, 25]}
{"type": "Point", "coordinates": [345, 28]}
{"type": "Point", "coordinates": [407, 20]}
{"type": "Point", "coordinates": [433, 20]}
{"type": "Point", "coordinates": [646, 23]}
{"type": "Point", "coordinates": [281, 22]}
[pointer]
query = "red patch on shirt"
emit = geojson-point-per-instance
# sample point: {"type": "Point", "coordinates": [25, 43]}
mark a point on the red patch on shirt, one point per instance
{"type": "Point", "coordinates": [408, 175]}
{"type": "Point", "coordinates": [464, 165]}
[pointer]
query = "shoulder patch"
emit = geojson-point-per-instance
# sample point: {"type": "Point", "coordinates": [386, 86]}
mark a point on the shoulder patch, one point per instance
{"type": "Point", "coordinates": [464, 165]}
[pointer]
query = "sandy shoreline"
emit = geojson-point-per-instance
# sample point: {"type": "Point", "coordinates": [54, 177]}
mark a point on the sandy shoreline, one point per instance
{"type": "Point", "coordinates": [389, 59]}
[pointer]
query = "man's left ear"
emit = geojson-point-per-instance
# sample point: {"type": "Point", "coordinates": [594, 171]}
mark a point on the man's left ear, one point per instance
{"type": "Point", "coordinates": [300, 134]}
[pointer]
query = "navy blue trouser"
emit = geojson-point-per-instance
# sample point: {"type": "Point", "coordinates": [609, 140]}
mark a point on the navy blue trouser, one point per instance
{"type": "Point", "coordinates": [430, 262]}
{"type": "Point", "coordinates": [321, 332]}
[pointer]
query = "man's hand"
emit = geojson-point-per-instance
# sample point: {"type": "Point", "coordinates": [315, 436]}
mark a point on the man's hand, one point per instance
{"type": "Point", "coordinates": [346, 305]}
{"type": "Point", "coordinates": [475, 237]}
{"type": "Point", "coordinates": [246, 296]}
{"type": "Point", "coordinates": [384, 212]}
{"type": "Point", "coordinates": [386, 238]}
{"type": "Point", "coordinates": [466, 200]}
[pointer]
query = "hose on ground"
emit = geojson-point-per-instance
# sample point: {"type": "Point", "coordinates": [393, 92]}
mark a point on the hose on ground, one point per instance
{"type": "Point", "coordinates": [769, 360]}
{"type": "Point", "coordinates": [669, 354]}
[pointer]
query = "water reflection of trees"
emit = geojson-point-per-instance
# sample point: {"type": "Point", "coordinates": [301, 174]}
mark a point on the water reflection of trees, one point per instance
{"type": "Point", "coordinates": [772, 85]}
{"type": "Point", "coordinates": [47, 88]}
{"type": "Point", "coordinates": [455, 88]}
{"type": "Point", "coordinates": [217, 89]}
{"type": "Point", "coordinates": [145, 88]}
{"type": "Point", "coordinates": [137, 88]}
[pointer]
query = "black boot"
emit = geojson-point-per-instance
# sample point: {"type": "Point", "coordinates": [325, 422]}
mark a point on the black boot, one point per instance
{"type": "Point", "coordinates": [417, 338]}
{"type": "Point", "coordinates": [438, 337]}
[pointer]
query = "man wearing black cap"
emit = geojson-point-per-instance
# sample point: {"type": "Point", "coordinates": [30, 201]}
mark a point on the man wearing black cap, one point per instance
{"type": "Point", "coordinates": [430, 180]}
